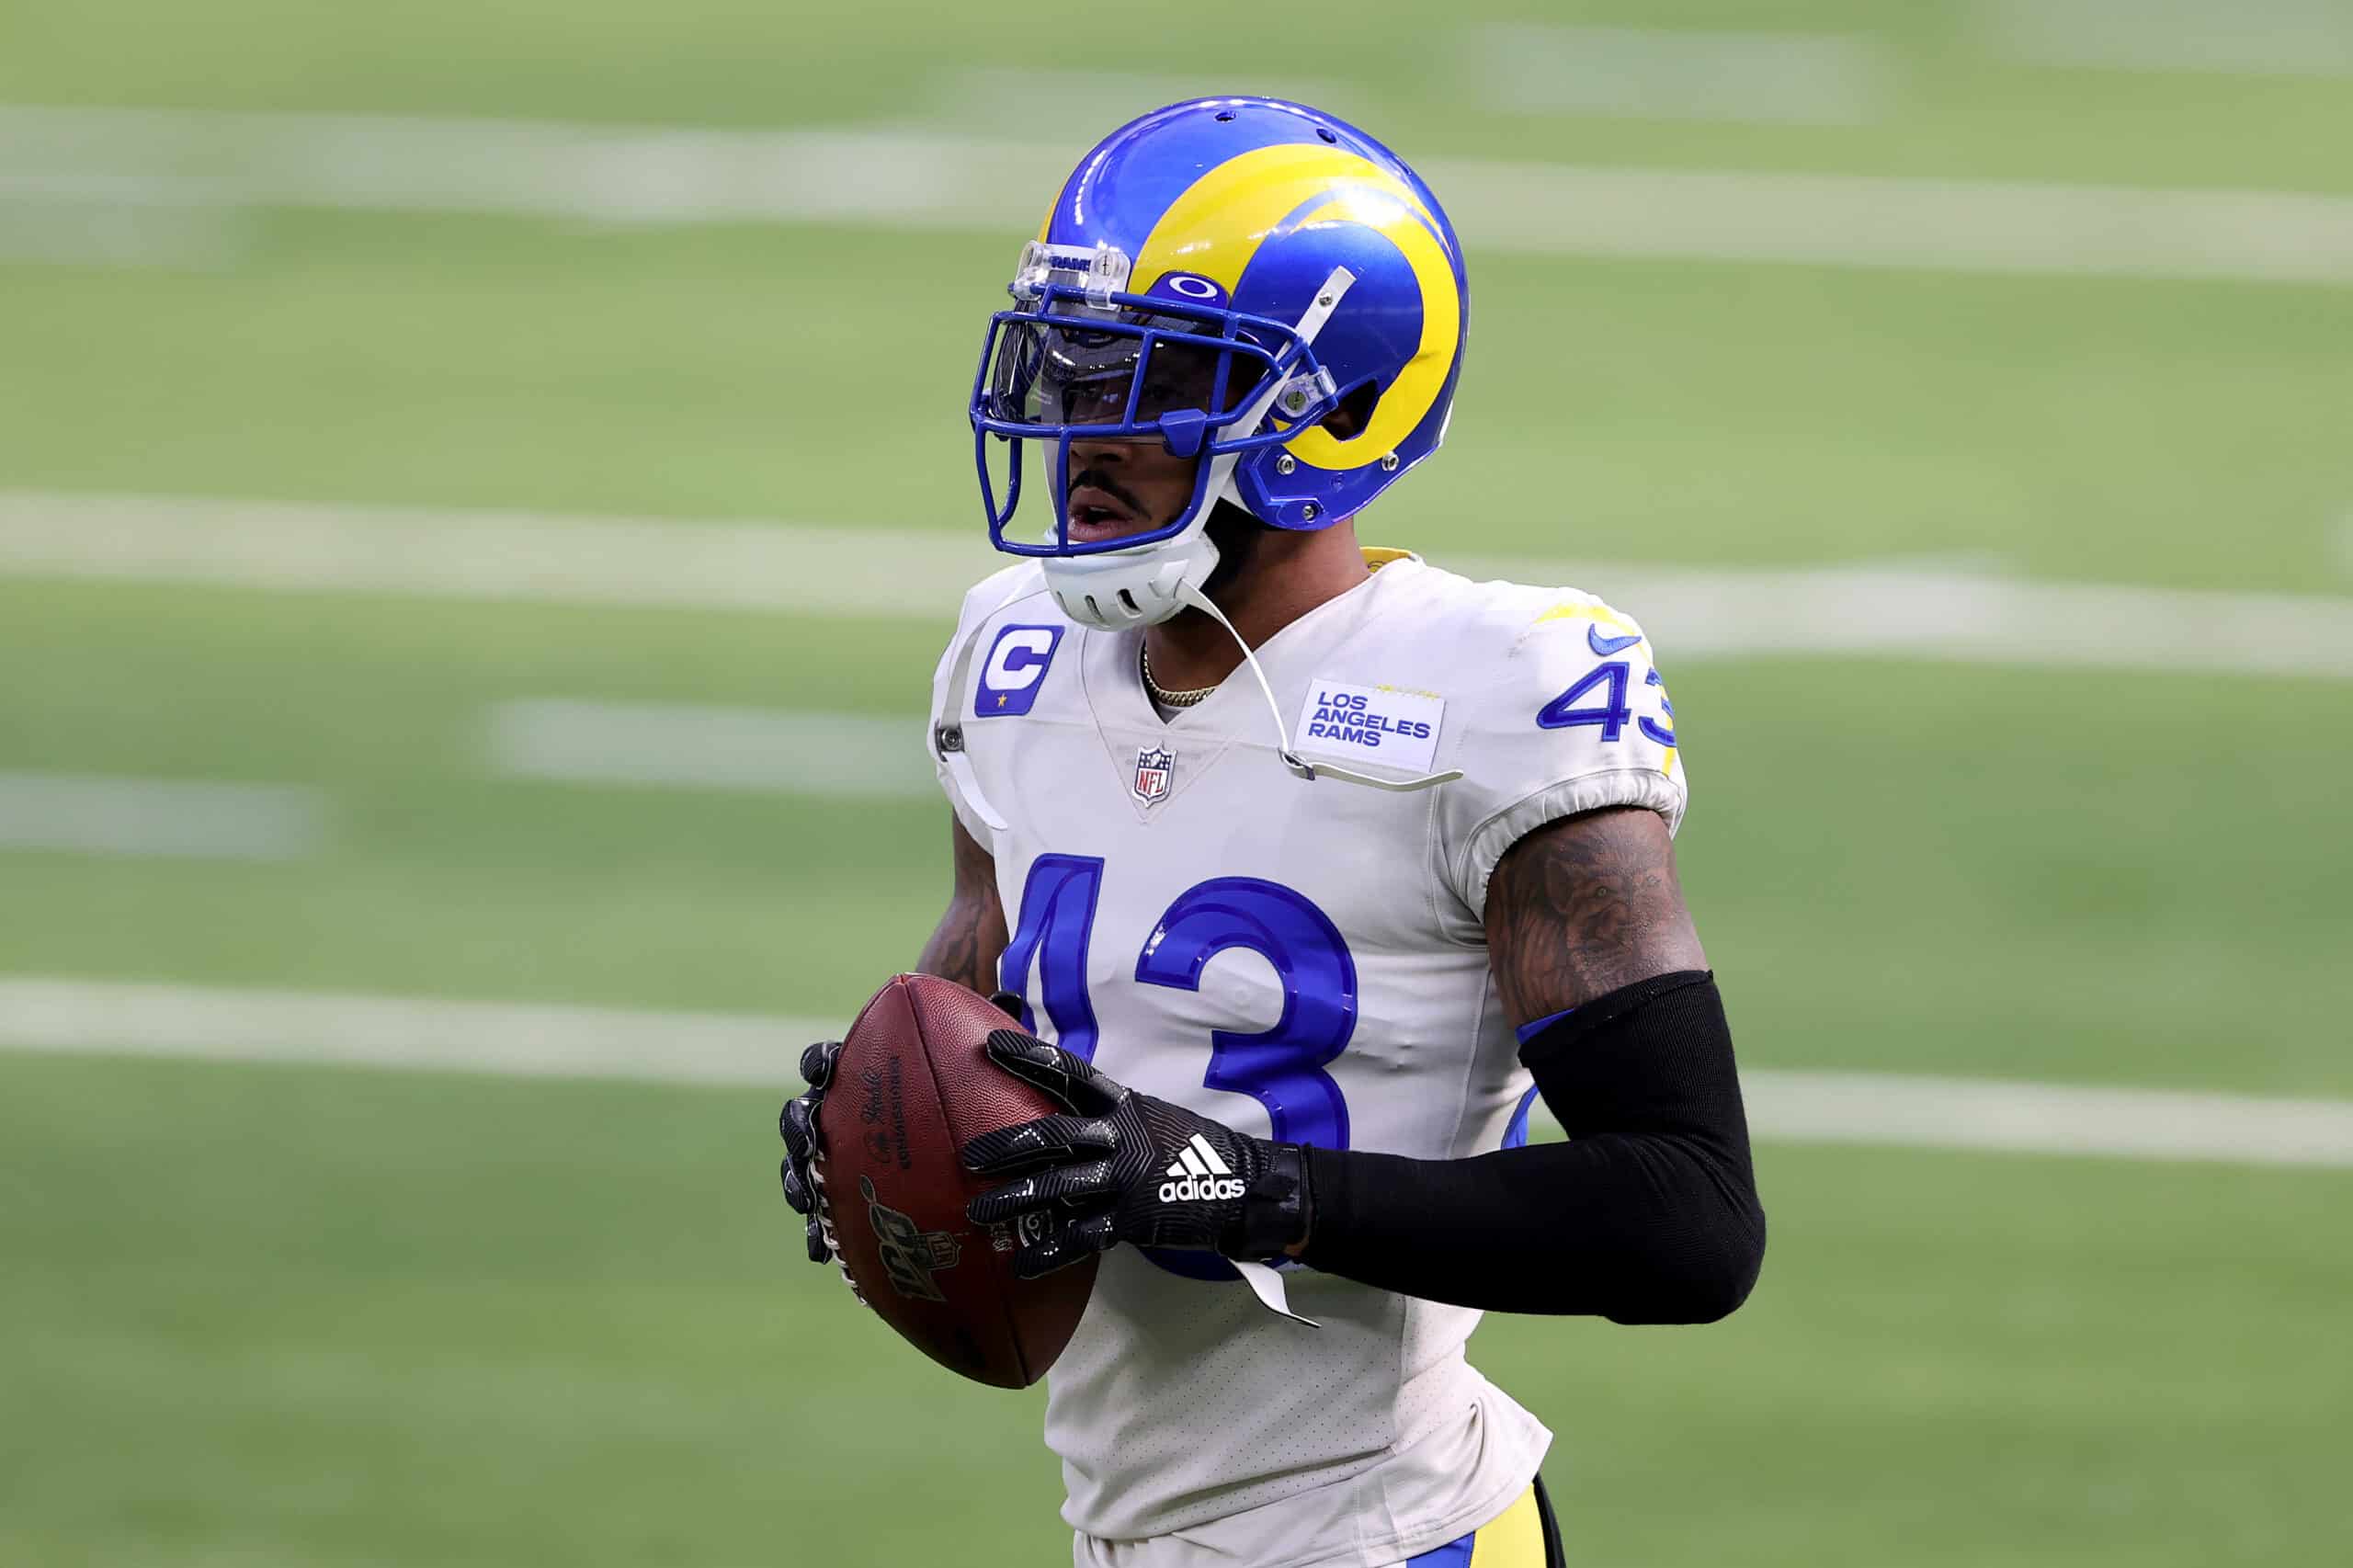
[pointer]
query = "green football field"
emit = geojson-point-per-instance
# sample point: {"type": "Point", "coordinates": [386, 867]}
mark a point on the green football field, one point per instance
{"type": "Point", "coordinates": [301, 1314]}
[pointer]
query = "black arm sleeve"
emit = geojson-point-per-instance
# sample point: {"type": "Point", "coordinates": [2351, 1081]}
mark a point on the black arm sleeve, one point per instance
{"type": "Point", "coordinates": [1649, 1213]}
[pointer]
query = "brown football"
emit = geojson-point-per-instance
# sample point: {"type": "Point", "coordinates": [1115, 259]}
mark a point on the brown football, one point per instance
{"type": "Point", "coordinates": [910, 1088]}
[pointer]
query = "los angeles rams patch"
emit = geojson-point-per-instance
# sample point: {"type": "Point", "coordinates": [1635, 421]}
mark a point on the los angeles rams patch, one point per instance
{"type": "Point", "coordinates": [1370, 724]}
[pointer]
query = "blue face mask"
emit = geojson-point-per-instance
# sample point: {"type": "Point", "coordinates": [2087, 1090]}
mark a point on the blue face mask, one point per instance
{"type": "Point", "coordinates": [1079, 359]}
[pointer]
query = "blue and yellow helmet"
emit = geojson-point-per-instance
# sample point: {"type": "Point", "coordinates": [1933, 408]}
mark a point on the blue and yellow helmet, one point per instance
{"type": "Point", "coordinates": [1221, 276]}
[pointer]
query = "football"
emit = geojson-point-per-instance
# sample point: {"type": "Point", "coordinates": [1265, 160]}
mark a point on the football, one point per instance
{"type": "Point", "coordinates": [910, 1088]}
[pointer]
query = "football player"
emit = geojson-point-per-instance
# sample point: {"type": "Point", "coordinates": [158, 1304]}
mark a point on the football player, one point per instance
{"type": "Point", "coordinates": [1304, 868]}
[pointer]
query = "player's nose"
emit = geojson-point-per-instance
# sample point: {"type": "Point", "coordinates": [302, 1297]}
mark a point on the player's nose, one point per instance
{"type": "Point", "coordinates": [1094, 453]}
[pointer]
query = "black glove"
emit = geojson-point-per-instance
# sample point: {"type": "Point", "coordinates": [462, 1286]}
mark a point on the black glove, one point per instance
{"type": "Point", "coordinates": [804, 1189]}
{"type": "Point", "coordinates": [1128, 1168]}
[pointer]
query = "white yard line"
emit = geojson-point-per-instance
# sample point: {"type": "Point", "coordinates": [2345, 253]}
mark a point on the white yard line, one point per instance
{"type": "Point", "coordinates": [516, 1040]}
{"type": "Point", "coordinates": [798, 569]}
{"type": "Point", "coordinates": [2247, 38]}
{"type": "Point", "coordinates": [2051, 1118]}
{"type": "Point", "coordinates": [1879, 221]}
{"type": "Point", "coordinates": [1758, 77]}
{"type": "Point", "coordinates": [88, 815]}
{"type": "Point", "coordinates": [710, 748]}
{"type": "Point", "coordinates": [991, 100]}
{"type": "Point", "coordinates": [1963, 619]}
{"type": "Point", "coordinates": [40, 1014]}
{"type": "Point", "coordinates": [924, 179]}
{"type": "Point", "coordinates": [492, 555]}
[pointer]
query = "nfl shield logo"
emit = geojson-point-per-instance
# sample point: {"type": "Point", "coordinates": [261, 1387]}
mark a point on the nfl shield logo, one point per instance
{"type": "Point", "coordinates": [1153, 765]}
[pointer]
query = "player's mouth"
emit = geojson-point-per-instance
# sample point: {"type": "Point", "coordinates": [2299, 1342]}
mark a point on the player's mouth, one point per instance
{"type": "Point", "coordinates": [1096, 514]}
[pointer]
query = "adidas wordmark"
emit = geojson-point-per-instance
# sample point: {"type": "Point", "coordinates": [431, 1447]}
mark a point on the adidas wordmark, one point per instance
{"type": "Point", "coordinates": [1200, 1176]}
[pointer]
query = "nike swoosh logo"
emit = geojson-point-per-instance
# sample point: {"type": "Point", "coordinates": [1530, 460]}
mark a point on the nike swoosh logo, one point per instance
{"type": "Point", "coordinates": [1604, 646]}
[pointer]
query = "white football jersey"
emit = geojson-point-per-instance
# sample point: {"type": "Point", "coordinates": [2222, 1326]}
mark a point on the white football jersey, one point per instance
{"type": "Point", "coordinates": [1301, 959]}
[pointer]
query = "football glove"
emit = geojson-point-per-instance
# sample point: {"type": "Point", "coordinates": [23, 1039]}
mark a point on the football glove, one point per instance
{"type": "Point", "coordinates": [804, 1188]}
{"type": "Point", "coordinates": [1123, 1166]}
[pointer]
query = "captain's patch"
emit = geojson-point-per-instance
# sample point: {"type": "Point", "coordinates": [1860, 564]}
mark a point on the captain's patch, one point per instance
{"type": "Point", "coordinates": [1015, 669]}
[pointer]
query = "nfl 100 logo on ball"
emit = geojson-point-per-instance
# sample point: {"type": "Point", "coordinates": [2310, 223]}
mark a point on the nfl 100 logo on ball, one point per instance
{"type": "Point", "coordinates": [910, 1255]}
{"type": "Point", "coordinates": [1154, 767]}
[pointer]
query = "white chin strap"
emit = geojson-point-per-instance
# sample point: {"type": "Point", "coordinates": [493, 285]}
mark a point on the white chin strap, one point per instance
{"type": "Point", "coordinates": [1144, 586]}
{"type": "Point", "coordinates": [1121, 588]}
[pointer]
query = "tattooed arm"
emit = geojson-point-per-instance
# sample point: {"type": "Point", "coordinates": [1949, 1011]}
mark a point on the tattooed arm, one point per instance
{"type": "Point", "coordinates": [971, 936]}
{"type": "Point", "coordinates": [1583, 906]}
{"type": "Point", "coordinates": [1649, 1212]}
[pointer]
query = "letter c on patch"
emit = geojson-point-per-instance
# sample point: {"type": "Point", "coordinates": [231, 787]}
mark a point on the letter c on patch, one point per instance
{"type": "Point", "coordinates": [1015, 668]}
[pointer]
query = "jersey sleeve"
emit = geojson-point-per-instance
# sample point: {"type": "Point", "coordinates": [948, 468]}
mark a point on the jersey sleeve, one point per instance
{"type": "Point", "coordinates": [981, 604]}
{"type": "Point", "coordinates": [1573, 717]}
{"type": "Point", "coordinates": [939, 709]}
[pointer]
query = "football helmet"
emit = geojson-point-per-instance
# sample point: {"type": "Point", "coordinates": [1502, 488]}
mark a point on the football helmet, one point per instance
{"type": "Point", "coordinates": [1220, 276]}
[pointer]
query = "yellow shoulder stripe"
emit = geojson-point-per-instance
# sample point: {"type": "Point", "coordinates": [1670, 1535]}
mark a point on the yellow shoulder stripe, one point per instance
{"type": "Point", "coordinates": [1589, 610]}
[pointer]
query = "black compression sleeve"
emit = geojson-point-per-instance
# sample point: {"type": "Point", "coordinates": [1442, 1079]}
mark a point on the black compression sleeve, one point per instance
{"type": "Point", "coordinates": [1649, 1213]}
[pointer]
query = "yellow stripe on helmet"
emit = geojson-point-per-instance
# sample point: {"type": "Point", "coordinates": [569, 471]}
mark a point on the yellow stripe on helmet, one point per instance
{"type": "Point", "coordinates": [1215, 228]}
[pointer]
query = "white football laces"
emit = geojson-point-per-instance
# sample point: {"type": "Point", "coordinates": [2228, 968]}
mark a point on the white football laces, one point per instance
{"type": "Point", "coordinates": [826, 1225]}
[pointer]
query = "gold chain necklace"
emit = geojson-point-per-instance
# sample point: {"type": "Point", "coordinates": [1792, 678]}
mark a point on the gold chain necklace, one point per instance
{"type": "Point", "coordinates": [1165, 698]}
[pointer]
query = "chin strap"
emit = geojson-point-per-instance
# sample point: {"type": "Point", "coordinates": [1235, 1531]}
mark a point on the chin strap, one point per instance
{"type": "Point", "coordinates": [1300, 767]}
{"type": "Point", "coordinates": [1090, 587]}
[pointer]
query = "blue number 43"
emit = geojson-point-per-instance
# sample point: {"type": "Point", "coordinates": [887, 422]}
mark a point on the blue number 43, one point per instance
{"type": "Point", "coordinates": [1282, 1067]}
{"type": "Point", "coordinates": [1612, 713]}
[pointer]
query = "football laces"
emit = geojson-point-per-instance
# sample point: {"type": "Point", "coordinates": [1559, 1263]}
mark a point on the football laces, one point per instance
{"type": "Point", "coordinates": [825, 1226]}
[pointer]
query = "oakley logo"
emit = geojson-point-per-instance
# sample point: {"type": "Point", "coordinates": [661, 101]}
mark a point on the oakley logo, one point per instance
{"type": "Point", "coordinates": [1189, 286]}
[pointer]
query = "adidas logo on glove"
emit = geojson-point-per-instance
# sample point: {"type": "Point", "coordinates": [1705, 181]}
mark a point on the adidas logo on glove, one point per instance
{"type": "Point", "coordinates": [1200, 1175]}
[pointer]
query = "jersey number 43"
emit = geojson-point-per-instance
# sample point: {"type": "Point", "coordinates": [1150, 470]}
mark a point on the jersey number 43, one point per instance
{"type": "Point", "coordinates": [1281, 1068]}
